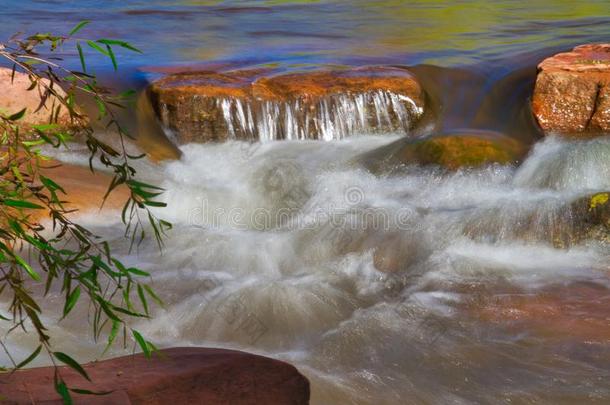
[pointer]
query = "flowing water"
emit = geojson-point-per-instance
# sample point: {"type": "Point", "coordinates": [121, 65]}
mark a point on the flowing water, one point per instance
{"type": "Point", "coordinates": [415, 287]}
{"type": "Point", "coordinates": [333, 118]}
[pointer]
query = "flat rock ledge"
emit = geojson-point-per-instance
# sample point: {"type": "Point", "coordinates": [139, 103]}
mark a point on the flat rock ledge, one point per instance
{"type": "Point", "coordinates": [572, 96]}
{"type": "Point", "coordinates": [257, 104]}
{"type": "Point", "coordinates": [174, 376]}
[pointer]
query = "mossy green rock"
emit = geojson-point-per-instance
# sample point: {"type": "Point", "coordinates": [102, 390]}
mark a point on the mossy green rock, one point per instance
{"type": "Point", "coordinates": [591, 218]}
{"type": "Point", "coordinates": [451, 151]}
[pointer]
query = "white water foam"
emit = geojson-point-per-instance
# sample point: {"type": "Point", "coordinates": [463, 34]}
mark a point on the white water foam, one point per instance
{"type": "Point", "coordinates": [275, 250]}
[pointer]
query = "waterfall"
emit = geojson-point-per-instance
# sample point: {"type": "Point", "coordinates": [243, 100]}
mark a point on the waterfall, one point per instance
{"type": "Point", "coordinates": [329, 118]}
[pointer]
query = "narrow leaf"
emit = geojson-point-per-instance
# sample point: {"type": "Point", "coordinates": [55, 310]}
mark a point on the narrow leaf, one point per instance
{"type": "Point", "coordinates": [31, 357]}
{"type": "Point", "coordinates": [122, 44]}
{"type": "Point", "coordinates": [21, 204]}
{"type": "Point", "coordinates": [70, 362]}
{"type": "Point", "coordinates": [81, 56]}
{"type": "Point", "coordinates": [62, 390]}
{"type": "Point", "coordinates": [143, 299]}
{"type": "Point", "coordinates": [112, 57]}
{"type": "Point", "coordinates": [35, 276]}
{"type": "Point", "coordinates": [97, 48]}
{"type": "Point", "coordinates": [141, 343]}
{"type": "Point", "coordinates": [113, 333]}
{"type": "Point", "coordinates": [71, 301]}
{"type": "Point", "coordinates": [78, 27]}
{"type": "Point", "coordinates": [17, 115]}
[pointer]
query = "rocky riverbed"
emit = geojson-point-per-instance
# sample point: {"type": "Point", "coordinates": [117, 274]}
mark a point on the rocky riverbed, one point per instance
{"type": "Point", "coordinates": [355, 223]}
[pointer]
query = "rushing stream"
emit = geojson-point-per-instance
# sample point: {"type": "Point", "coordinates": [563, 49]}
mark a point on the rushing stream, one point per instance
{"type": "Point", "coordinates": [415, 287]}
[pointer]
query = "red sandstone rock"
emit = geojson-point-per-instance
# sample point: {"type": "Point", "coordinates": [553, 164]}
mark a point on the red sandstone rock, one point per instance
{"type": "Point", "coordinates": [178, 376]}
{"type": "Point", "coordinates": [571, 94]}
{"type": "Point", "coordinates": [253, 104]}
{"type": "Point", "coordinates": [555, 313]}
{"type": "Point", "coordinates": [15, 96]}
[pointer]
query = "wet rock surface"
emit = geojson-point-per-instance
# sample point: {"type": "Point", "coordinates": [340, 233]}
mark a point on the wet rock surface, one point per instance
{"type": "Point", "coordinates": [256, 105]}
{"type": "Point", "coordinates": [177, 376]}
{"type": "Point", "coordinates": [572, 96]}
{"type": "Point", "coordinates": [591, 218]}
{"type": "Point", "coordinates": [452, 151]}
{"type": "Point", "coordinates": [554, 313]}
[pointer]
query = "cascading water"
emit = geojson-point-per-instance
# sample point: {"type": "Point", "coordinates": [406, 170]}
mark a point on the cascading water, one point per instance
{"type": "Point", "coordinates": [415, 287]}
{"type": "Point", "coordinates": [331, 118]}
{"type": "Point", "coordinates": [379, 289]}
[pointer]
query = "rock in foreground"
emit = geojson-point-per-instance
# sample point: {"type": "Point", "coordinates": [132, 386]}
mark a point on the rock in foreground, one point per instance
{"type": "Point", "coordinates": [254, 105]}
{"type": "Point", "coordinates": [177, 376]}
{"type": "Point", "coordinates": [572, 96]}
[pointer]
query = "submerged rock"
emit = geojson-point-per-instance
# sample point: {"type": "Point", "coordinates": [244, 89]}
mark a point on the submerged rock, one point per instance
{"type": "Point", "coordinates": [555, 312]}
{"type": "Point", "coordinates": [562, 224]}
{"type": "Point", "coordinates": [252, 105]}
{"type": "Point", "coordinates": [40, 110]}
{"type": "Point", "coordinates": [177, 376]}
{"type": "Point", "coordinates": [572, 96]}
{"type": "Point", "coordinates": [590, 218]}
{"type": "Point", "coordinates": [450, 151]}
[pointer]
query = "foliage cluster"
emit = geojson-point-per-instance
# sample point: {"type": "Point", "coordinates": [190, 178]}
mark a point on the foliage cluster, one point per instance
{"type": "Point", "coordinates": [65, 256]}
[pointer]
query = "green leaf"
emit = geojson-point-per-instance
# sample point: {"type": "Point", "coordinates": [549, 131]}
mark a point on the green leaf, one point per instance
{"type": "Point", "coordinates": [81, 56]}
{"type": "Point", "coordinates": [145, 194]}
{"type": "Point", "coordinates": [136, 271]}
{"type": "Point", "coordinates": [50, 184]}
{"type": "Point", "coordinates": [17, 115]}
{"type": "Point", "coordinates": [62, 390]}
{"type": "Point", "coordinates": [78, 27]}
{"type": "Point", "coordinates": [35, 276]}
{"type": "Point", "coordinates": [31, 357]}
{"type": "Point", "coordinates": [107, 310]}
{"type": "Point", "coordinates": [71, 300]}
{"type": "Point", "coordinates": [97, 48]}
{"type": "Point", "coordinates": [155, 204]}
{"type": "Point", "coordinates": [130, 313]}
{"type": "Point", "coordinates": [141, 343]}
{"type": "Point", "coordinates": [39, 244]}
{"type": "Point", "coordinates": [135, 183]}
{"type": "Point", "coordinates": [143, 299]}
{"type": "Point", "coordinates": [45, 127]}
{"type": "Point", "coordinates": [122, 44]}
{"type": "Point", "coordinates": [112, 57]}
{"type": "Point", "coordinates": [33, 143]}
{"type": "Point", "coordinates": [21, 204]}
{"type": "Point", "coordinates": [70, 362]}
{"type": "Point", "coordinates": [113, 333]}
{"type": "Point", "coordinates": [153, 295]}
